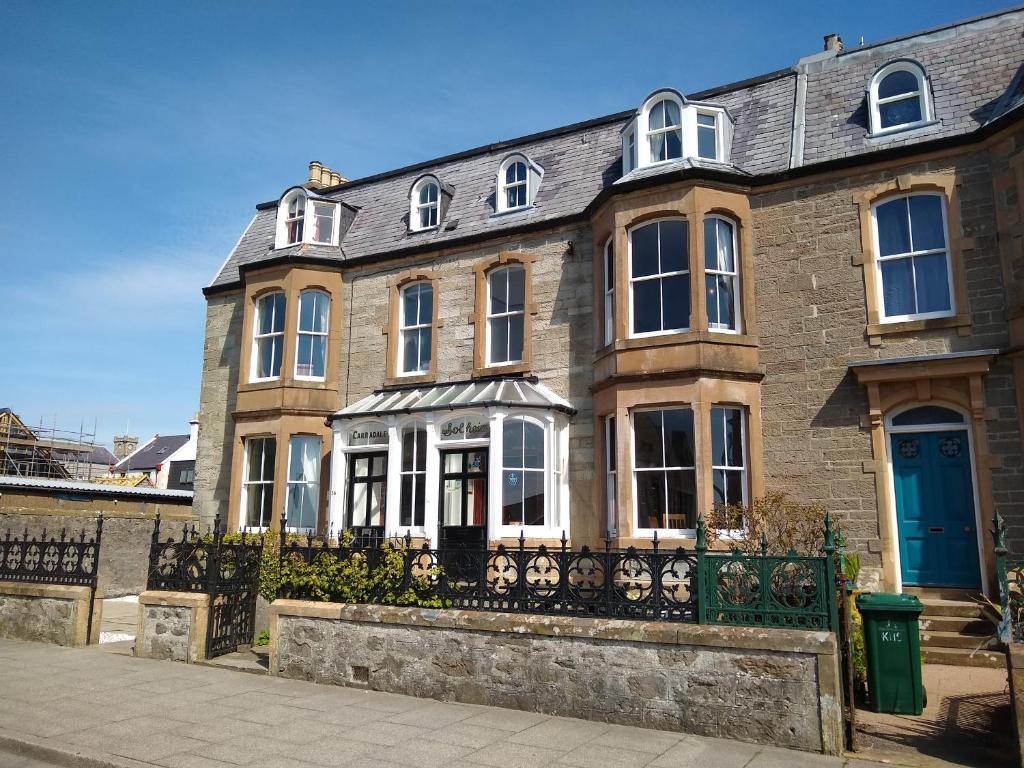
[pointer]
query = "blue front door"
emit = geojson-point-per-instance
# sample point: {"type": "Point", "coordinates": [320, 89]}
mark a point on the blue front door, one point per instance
{"type": "Point", "coordinates": [935, 509]}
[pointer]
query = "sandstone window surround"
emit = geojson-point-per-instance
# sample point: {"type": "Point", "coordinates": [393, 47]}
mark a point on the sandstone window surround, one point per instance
{"type": "Point", "coordinates": [516, 444]}
{"type": "Point", "coordinates": [714, 270]}
{"type": "Point", "coordinates": [698, 469]}
{"type": "Point", "coordinates": [489, 315]}
{"type": "Point", "coordinates": [870, 258]}
{"type": "Point", "coordinates": [401, 288]}
{"type": "Point", "coordinates": [306, 218]}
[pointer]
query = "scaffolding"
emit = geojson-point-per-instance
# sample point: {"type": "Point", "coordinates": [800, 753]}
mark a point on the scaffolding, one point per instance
{"type": "Point", "coordinates": [49, 452]}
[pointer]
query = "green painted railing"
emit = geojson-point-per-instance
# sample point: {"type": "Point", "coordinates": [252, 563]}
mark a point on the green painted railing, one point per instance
{"type": "Point", "coordinates": [1010, 573]}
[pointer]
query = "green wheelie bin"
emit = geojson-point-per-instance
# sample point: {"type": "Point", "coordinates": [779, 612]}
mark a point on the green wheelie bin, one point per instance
{"type": "Point", "coordinates": [892, 645]}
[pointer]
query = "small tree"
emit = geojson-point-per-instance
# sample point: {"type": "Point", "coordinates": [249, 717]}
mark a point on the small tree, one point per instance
{"type": "Point", "coordinates": [781, 522]}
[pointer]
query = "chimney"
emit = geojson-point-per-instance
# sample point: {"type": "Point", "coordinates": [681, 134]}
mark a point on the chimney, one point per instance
{"type": "Point", "coordinates": [124, 445]}
{"type": "Point", "coordinates": [320, 176]}
{"type": "Point", "coordinates": [833, 42]}
{"type": "Point", "coordinates": [193, 431]}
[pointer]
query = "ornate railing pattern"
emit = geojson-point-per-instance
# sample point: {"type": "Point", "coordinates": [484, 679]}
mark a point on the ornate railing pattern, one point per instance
{"type": "Point", "coordinates": [679, 585]}
{"type": "Point", "coordinates": [55, 559]}
{"type": "Point", "coordinates": [226, 567]}
{"type": "Point", "coordinates": [1010, 574]}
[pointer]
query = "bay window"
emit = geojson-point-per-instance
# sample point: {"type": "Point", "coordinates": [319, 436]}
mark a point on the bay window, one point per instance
{"type": "Point", "coordinates": [268, 337]}
{"type": "Point", "coordinates": [721, 274]}
{"type": "Point", "coordinates": [522, 474]}
{"type": "Point", "coordinates": [258, 481]}
{"type": "Point", "coordinates": [659, 277]}
{"type": "Point", "coordinates": [664, 470]}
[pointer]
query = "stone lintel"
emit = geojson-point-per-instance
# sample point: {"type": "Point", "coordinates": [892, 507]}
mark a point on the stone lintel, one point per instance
{"type": "Point", "coordinates": [754, 638]}
{"type": "Point", "coordinates": [181, 599]}
{"type": "Point", "coordinates": [52, 591]}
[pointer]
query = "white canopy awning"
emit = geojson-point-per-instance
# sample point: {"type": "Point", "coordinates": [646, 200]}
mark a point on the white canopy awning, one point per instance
{"type": "Point", "coordinates": [508, 393]}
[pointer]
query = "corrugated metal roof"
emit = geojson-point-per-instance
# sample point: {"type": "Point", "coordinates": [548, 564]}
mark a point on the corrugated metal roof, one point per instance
{"type": "Point", "coordinates": [510, 393]}
{"type": "Point", "coordinates": [9, 481]}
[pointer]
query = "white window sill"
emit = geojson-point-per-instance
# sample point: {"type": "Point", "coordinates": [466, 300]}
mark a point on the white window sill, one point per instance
{"type": "Point", "coordinates": [655, 334]}
{"type": "Point", "coordinates": [665, 533]}
{"type": "Point", "coordinates": [318, 379]}
{"type": "Point", "coordinates": [911, 318]}
{"type": "Point", "coordinates": [512, 211]}
{"type": "Point", "coordinates": [264, 381]}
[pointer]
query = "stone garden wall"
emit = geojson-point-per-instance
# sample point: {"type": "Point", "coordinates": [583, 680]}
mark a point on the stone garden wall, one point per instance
{"type": "Point", "coordinates": [47, 613]}
{"type": "Point", "coordinates": [172, 626]}
{"type": "Point", "coordinates": [775, 687]}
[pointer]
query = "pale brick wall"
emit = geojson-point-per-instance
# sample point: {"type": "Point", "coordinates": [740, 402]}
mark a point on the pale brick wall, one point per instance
{"type": "Point", "coordinates": [812, 315]}
{"type": "Point", "coordinates": [221, 354]}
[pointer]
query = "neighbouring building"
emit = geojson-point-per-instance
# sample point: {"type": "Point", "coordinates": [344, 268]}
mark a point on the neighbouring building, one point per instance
{"type": "Point", "coordinates": [810, 281]}
{"type": "Point", "coordinates": [165, 461]}
{"type": "Point", "coordinates": [49, 452]}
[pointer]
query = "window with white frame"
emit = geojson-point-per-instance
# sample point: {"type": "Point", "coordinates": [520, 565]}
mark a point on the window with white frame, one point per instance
{"type": "Point", "coordinates": [611, 484]}
{"type": "Point", "coordinates": [913, 257]}
{"type": "Point", "coordinates": [301, 219]}
{"type": "Point", "coordinates": [268, 337]}
{"type": "Point", "coordinates": [311, 350]}
{"type": "Point", "coordinates": [416, 327]}
{"type": "Point", "coordinates": [629, 159]}
{"type": "Point", "coordinates": [898, 97]}
{"type": "Point", "coordinates": [659, 279]}
{"type": "Point", "coordinates": [426, 205]}
{"type": "Point", "coordinates": [707, 135]}
{"type": "Point", "coordinates": [664, 131]}
{"type": "Point", "coordinates": [514, 187]}
{"type": "Point", "coordinates": [258, 481]}
{"type": "Point", "coordinates": [664, 472]}
{"type": "Point", "coordinates": [522, 473]}
{"type": "Point", "coordinates": [728, 456]}
{"type": "Point", "coordinates": [303, 500]}
{"type": "Point", "coordinates": [721, 274]}
{"type": "Point", "coordinates": [506, 314]}
{"type": "Point", "coordinates": [609, 291]}
{"type": "Point", "coordinates": [412, 501]}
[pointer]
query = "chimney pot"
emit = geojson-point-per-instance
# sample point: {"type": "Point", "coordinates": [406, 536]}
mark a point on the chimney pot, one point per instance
{"type": "Point", "coordinates": [833, 42]}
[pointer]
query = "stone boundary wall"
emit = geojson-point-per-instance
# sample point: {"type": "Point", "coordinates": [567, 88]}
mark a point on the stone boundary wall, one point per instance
{"type": "Point", "coordinates": [48, 613]}
{"type": "Point", "coordinates": [768, 686]}
{"type": "Point", "coordinates": [172, 626]}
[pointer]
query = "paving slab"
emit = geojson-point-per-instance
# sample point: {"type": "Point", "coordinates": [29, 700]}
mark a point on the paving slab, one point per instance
{"type": "Point", "coordinates": [125, 712]}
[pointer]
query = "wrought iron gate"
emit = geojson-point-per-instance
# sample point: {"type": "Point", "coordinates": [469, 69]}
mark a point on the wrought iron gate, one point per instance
{"type": "Point", "coordinates": [226, 567]}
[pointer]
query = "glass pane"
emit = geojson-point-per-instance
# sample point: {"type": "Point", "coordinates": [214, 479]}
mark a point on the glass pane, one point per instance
{"type": "Point", "coordinates": [269, 457]}
{"type": "Point", "coordinates": [927, 231]}
{"type": "Point", "coordinates": [932, 283]}
{"type": "Point", "coordinates": [671, 113]}
{"type": "Point", "coordinates": [609, 266]}
{"type": "Point", "coordinates": [359, 497]}
{"type": "Point", "coordinates": [319, 361]}
{"type": "Point", "coordinates": [644, 250]}
{"type": "Point", "coordinates": [277, 300]}
{"type": "Point", "coordinates": [421, 449]}
{"type": "Point", "coordinates": [893, 227]}
{"type": "Point", "coordinates": [362, 466]}
{"type": "Point", "coordinates": [307, 302]}
{"type": "Point", "coordinates": [726, 302]}
{"type": "Point", "coordinates": [380, 465]}
{"type": "Point", "coordinates": [674, 246]}
{"type": "Point", "coordinates": [512, 497]}
{"type": "Point", "coordinates": [928, 414]}
{"type": "Point", "coordinates": [898, 287]}
{"type": "Point", "coordinates": [304, 356]}
{"type": "Point", "coordinates": [734, 436]}
{"type": "Point", "coordinates": [718, 483]}
{"type": "Point", "coordinates": [706, 120]}
{"type": "Point", "coordinates": [711, 288]}
{"type": "Point", "coordinates": [420, 503]}
{"type": "Point", "coordinates": [647, 446]}
{"type": "Point", "coordinates": [706, 143]}
{"type": "Point", "coordinates": [658, 152]}
{"type": "Point", "coordinates": [900, 112]}
{"type": "Point", "coordinates": [678, 437]}
{"type": "Point", "coordinates": [499, 340]}
{"type": "Point", "coordinates": [265, 310]}
{"type": "Point", "coordinates": [476, 461]}
{"type": "Point", "coordinates": [304, 465]}
{"type": "Point", "coordinates": [512, 443]}
{"type": "Point", "coordinates": [516, 289]}
{"type": "Point", "coordinates": [515, 337]}
{"type": "Point", "coordinates": [406, 501]}
{"type": "Point", "coordinates": [896, 83]}
{"type": "Point", "coordinates": [675, 301]}
{"type": "Point", "coordinates": [408, 449]}
{"type": "Point", "coordinates": [647, 306]}
{"type": "Point", "coordinates": [410, 351]}
{"type": "Point", "coordinates": [656, 118]}
{"type": "Point", "coordinates": [711, 243]}
{"type": "Point", "coordinates": [254, 459]}
{"type": "Point", "coordinates": [324, 224]}
{"type": "Point", "coordinates": [376, 514]}
{"type": "Point", "coordinates": [650, 499]}
{"type": "Point", "coordinates": [734, 482]}
{"type": "Point", "coordinates": [452, 463]}
{"type": "Point", "coordinates": [515, 172]}
{"type": "Point", "coordinates": [452, 502]}
{"type": "Point", "coordinates": [533, 498]}
{"type": "Point", "coordinates": [533, 453]}
{"type": "Point", "coordinates": [610, 450]}
{"type": "Point", "coordinates": [410, 305]}
{"type": "Point", "coordinates": [726, 256]}
{"type": "Point", "coordinates": [425, 348]}
{"type": "Point", "coordinates": [476, 501]}
{"type": "Point", "coordinates": [673, 145]}
{"type": "Point", "coordinates": [499, 291]}
{"type": "Point", "coordinates": [276, 347]}
{"type": "Point", "coordinates": [717, 436]}
{"type": "Point", "coordinates": [426, 314]}
{"type": "Point", "coordinates": [265, 358]}
{"type": "Point", "coordinates": [681, 500]}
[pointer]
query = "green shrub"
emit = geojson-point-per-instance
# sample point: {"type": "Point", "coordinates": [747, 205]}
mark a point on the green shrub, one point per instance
{"type": "Point", "coordinates": [263, 638]}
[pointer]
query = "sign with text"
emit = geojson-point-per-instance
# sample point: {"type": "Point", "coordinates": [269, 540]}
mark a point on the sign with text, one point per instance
{"type": "Point", "coordinates": [465, 428]}
{"type": "Point", "coordinates": [368, 433]}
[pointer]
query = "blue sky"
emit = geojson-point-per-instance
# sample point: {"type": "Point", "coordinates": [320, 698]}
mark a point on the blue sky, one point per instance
{"type": "Point", "coordinates": [136, 139]}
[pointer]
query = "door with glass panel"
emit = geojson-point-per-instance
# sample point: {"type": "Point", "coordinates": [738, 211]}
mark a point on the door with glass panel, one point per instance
{"type": "Point", "coordinates": [367, 488]}
{"type": "Point", "coordinates": [463, 522]}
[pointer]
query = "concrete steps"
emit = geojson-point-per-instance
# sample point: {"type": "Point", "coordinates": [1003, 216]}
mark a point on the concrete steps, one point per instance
{"type": "Point", "coordinates": [962, 657]}
{"type": "Point", "coordinates": [952, 630]}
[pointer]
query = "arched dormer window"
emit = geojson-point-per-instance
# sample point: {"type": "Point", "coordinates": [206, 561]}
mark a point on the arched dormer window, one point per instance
{"type": "Point", "coordinates": [665, 130]}
{"type": "Point", "coordinates": [667, 127]}
{"type": "Point", "coordinates": [425, 204]}
{"type": "Point", "coordinates": [518, 181]}
{"type": "Point", "coordinates": [898, 98]}
{"type": "Point", "coordinates": [305, 218]}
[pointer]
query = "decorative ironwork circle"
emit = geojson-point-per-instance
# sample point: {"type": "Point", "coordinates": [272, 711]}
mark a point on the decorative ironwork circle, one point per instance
{"type": "Point", "coordinates": [910, 449]}
{"type": "Point", "coordinates": [949, 447]}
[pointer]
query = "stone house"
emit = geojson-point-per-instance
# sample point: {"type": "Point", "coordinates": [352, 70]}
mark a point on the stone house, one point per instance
{"type": "Point", "coordinates": [808, 281]}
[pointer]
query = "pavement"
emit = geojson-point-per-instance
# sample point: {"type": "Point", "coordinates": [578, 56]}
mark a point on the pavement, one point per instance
{"type": "Point", "coordinates": [120, 615]}
{"type": "Point", "coordinates": [87, 708]}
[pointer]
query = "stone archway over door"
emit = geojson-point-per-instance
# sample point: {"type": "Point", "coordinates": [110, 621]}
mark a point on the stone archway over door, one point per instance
{"type": "Point", "coordinates": [956, 380]}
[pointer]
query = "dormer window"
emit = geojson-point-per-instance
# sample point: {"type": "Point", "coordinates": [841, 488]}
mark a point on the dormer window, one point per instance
{"type": "Point", "coordinates": [665, 131]}
{"type": "Point", "coordinates": [426, 205]}
{"type": "Point", "coordinates": [305, 219]}
{"type": "Point", "coordinates": [899, 98]}
{"type": "Point", "coordinates": [667, 127]}
{"type": "Point", "coordinates": [518, 180]}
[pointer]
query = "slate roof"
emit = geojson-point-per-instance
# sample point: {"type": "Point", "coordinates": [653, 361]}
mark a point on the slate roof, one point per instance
{"type": "Point", "coordinates": [974, 68]}
{"type": "Point", "coordinates": [156, 451]}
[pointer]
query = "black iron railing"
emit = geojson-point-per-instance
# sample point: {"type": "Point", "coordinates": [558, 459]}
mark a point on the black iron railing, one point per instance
{"type": "Point", "coordinates": [224, 566]}
{"type": "Point", "coordinates": [677, 584]}
{"type": "Point", "coordinates": [55, 559]}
